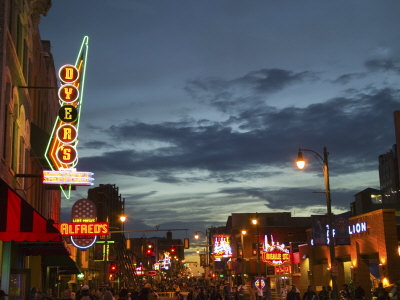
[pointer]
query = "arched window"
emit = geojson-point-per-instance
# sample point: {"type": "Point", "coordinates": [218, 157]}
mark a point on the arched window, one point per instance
{"type": "Point", "coordinates": [14, 107]}
{"type": "Point", "coordinates": [4, 115]}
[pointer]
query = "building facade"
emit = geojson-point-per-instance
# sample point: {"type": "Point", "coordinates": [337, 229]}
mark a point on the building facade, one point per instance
{"type": "Point", "coordinates": [28, 108]}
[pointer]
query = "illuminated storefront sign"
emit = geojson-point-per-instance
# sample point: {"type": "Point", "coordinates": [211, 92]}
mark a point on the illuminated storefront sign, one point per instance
{"type": "Point", "coordinates": [358, 228]}
{"type": "Point", "coordinates": [98, 228]}
{"type": "Point", "coordinates": [282, 269]}
{"type": "Point", "coordinates": [259, 283]}
{"type": "Point", "coordinates": [222, 247]}
{"type": "Point", "coordinates": [165, 263]}
{"type": "Point", "coordinates": [83, 216]}
{"type": "Point", "coordinates": [61, 152]}
{"type": "Point", "coordinates": [68, 177]}
{"type": "Point", "coordinates": [275, 254]}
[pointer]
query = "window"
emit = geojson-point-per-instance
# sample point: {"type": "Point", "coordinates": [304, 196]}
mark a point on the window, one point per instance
{"type": "Point", "coordinates": [5, 118]}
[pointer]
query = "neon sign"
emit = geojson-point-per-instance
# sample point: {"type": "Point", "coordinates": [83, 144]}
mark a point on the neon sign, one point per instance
{"type": "Point", "coordinates": [83, 215]}
{"type": "Point", "coordinates": [275, 254]}
{"type": "Point", "coordinates": [61, 153]}
{"type": "Point", "coordinates": [222, 247]}
{"type": "Point", "coordinates": [358, 228]}
{"type": "Point", "coordinates": [98, 228]}
{"type": "Point", "coordinates": [282, 269]}
{"type": "Point", "coordinates": [68, 177]}
{"type": "Point", "coordinates": [259, 283]}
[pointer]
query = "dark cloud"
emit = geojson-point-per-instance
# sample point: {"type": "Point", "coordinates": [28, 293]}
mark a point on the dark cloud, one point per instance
{"type": "Point", "coordinates": [94, 145]}
{"type": "Point", "coordinates": [383, 64]}
{"type": "Point", "coordinates": [225, 93]}
{"type": "Point", "coordinates": [347, 78]}
{"type": "Point", "coordinates": [272, 80]}
{"type": "Point", "coordinates": [355, 129]}
{"type": "Point", "coordinates": [293, 198]}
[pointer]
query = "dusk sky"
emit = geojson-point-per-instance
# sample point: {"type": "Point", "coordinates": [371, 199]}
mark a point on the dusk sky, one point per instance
{"type": "Point", "coordinates": [196, 109]}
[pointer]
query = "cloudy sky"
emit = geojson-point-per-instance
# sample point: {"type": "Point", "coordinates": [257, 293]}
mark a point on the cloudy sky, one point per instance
{"type": "Point", "coordinates": [196, 109]}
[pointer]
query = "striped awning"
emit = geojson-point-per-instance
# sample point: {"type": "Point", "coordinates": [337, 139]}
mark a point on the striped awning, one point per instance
{"type": "Point", "coordinates": [20, 222]}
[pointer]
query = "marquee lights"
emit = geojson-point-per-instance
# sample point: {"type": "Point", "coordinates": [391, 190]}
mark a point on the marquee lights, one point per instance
{"type": "Point", "coordinates": [68, 177]}
{"type": "Point", "coordinates": [83, 247]}
{"type": "Point", "coordinates": [97, 228]}
{"type": "Point", "coordinates": [84, 229]}
{"type": "Point", "coordinates": [67, 134]}
{"type": "Point", "coordinates": [61, 152]}
{"type": "Point", "coordinates": [68, 93]}
{"type": "Point", "coordinates": [68, 74]}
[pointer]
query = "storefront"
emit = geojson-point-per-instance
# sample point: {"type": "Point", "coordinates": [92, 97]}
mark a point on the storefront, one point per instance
{"type": "Point", "coordinates": [26, 238]}
{"type": "Point", "coordinates": [374, 248]}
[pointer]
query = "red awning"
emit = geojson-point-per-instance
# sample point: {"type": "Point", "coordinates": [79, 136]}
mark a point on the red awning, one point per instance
{"type": "Point", "coordinates": [20, 222]}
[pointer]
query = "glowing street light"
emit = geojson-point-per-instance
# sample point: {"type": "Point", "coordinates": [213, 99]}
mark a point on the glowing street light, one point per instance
{"type": "Point", "coordinates": [324, 159]}
{"type": "Point", "coordinates": [255, 222]}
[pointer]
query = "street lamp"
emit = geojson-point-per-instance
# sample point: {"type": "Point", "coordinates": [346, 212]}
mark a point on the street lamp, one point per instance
{"type": "Point", "coordinates": [301, 164]}
{"type": "Point", "coordinates": [197, 236]}
{"type": "Point", "coordinates": [242, 233]}
{"type": "Point", "coordinates": [122, 218]}
{"type": "Point", "coordinates": [254, 221]}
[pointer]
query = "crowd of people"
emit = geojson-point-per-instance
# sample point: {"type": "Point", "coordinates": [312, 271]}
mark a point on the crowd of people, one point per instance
{"type": "Point", "coordinates": [202, 290]}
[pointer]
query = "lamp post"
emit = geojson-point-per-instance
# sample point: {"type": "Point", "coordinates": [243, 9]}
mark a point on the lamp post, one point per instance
{"type": "Point", "coordinates": [197, 236]}
{"type": "Point", "coordinates": [255, 222]}
{"type": "Point", "coordinates": [242, 233]}
{"type": "Point", "coordinates": [324, 159]}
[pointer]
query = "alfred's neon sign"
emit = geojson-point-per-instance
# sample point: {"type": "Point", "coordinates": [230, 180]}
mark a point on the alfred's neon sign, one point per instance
{"type": "Point", "coordinates": [95, 228]}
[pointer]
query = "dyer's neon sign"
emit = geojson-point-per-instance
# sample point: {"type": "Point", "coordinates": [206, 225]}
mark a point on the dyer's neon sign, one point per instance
{"type": "Point", "coordinates": [61, 153]}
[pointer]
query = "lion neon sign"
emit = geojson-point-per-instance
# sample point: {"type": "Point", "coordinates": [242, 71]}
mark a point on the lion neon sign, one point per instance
{"type": "Point", "coordinates": [61, 152]}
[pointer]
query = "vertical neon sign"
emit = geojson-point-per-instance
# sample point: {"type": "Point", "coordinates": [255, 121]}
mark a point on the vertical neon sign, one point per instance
{"type": "Point", "coordinates": [61, 153]}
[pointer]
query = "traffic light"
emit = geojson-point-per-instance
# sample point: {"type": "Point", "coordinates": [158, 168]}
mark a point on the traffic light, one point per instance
{"type": "Point", "coordinates": [149, 250]}
{"type": "Point", "coordinates": [172, 250]}
{"type": "Point", "coordinates": [111, 276]}
{"type": "Point", "coordinates": [113, 268]}
{"type": "Point", "coordinates": [186, 242]}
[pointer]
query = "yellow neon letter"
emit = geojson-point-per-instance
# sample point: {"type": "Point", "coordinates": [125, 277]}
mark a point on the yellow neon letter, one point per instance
{"type": "Point", "coordinates": [66, 154]}
{"type": "Point", "coordinates": [67, 134]}
{"type": "Point", "coordinates": [68, 115]}
{"type": "Point", "coordinates": [68, 92]}
{"type": "Point", "coordinates": [69, 73]}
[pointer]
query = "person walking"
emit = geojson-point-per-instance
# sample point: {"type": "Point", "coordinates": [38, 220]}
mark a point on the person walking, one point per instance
{"type": "Point", "coordinates": [309, 294]}
{"type": "Point", "coordinates": [345, 292]}
{"type": "Point", "coordinates": [380, 293]}
{"type": "Point", "coordinates": [293, 294]}
{"type": "Point", "coordinates": [323, 294]}
{"type": "Point", "coordinates": [2, 295]}
{"type": "Point", "coordinates": [359, 293]}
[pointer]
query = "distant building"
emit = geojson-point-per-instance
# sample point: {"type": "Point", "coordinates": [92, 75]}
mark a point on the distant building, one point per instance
{"type": "Point", "coordinates": [389, 176]}
{"type": "Point", "coordinates": [157, 252]}
{"type": "Point", "coordinates": [365, 201]}
{"type": "Point", "coordinates": [110, 207]}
